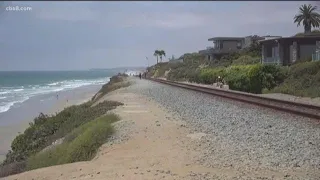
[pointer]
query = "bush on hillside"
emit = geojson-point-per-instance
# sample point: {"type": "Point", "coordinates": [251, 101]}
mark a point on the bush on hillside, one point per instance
{"type": "Point", "coordinates": [210, 75]}
{"type": "Point", "coordinates": [273, 75]}
{"type": "Point", "coordinates": [224, 61]}
{"type": "Point", "coordinates": [303, 80]}
{"type": "Point", "coordinates": [116, 82]}
{"type": "Point", "coordinates": [161, 68]}
{"type": "Point", "coordinates": [194, 76]}
{"type": "Point", "coordinates": [12, 168]}
{"type": "Point", "coordinates": [255, 78]}
{"type": "Point", "coordinates": [247, 78]}
{"type": "Point", "coordinates": [43, 132]}
{"type": "Point", "coordinates": [193, 59]}
{"type": "Point", "coordinates": [246, 60]}
{"type": "Point", "coordinates": [81, 144]}
{"type": "Point", "coordinates": [242, 78]}
{"type": "Point", "coordinates": [179, 74]}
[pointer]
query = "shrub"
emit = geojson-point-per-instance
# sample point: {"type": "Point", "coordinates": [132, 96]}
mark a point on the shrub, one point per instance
{"type": "Point", "coordinates": [237, 78]}
{"type": "Point", "coordinates": [245, 60]}
{"type": "Point", "coordinates": [210, 75]}
{"type": "Point", "coordinates": [81, 144]}
{"type": "Point", "coordinates": [273, 75]}
{"type": "Point", "coordinates": [194, 76]}
{"type": "Point", "coordinates": [180, 73]}
{"type": "Point", "coordinates": [12, 168]}
{"type": "Point", "coordinates": [254, 78]}
{"type": "Point", "coordinates": [303, 80]}
{"type": "Point", "coordinates": [116, 82]}
{"type": "Point", "coordinates": [38, 136]}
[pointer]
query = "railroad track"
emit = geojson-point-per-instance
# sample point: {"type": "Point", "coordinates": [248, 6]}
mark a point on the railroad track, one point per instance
{"type": "Point", "coordinates": [302, 109]}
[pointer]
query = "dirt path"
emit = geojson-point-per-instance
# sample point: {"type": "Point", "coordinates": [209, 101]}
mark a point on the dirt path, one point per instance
{"type": "Point", "coordinates": [159, 146]}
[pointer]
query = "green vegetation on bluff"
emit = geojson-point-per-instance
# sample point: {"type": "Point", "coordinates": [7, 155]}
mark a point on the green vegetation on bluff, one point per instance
{"type": "Point", "coordinates": [303, 79]}
{"type": "Point", "coordinates": [116, 82]}
{"type": "Point", "coordinates": [245, 73]}
{"type": "Point", "coordinates": [81, 129]}
{"type": "Point", "coordinates": [80, 145]}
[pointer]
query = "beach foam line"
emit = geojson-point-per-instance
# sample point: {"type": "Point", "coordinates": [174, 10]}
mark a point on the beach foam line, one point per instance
{"type": "Point", "coordinates": [34, 90]}
{"type": "Point", "coordinates": [5, 92]}
{"type": "Point", "coordinates": [17, 90]}
{"type": "Point", "coordinates": [8, 105]}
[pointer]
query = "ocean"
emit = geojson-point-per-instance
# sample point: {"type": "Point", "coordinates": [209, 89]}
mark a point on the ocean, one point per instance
{"type": "Point", "coordinates": [17, 87]}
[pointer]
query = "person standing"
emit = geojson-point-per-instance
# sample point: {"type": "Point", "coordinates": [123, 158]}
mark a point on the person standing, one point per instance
{"type": "Point", "coordinates": [140, 75]}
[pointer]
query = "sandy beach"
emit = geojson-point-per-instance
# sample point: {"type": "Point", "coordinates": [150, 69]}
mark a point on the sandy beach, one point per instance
{"type": "Point", "coordinates": [68, 98]}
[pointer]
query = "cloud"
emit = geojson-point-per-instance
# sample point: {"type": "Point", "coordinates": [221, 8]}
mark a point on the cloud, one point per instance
{"type": "Point", "coordinates": [80, 35]}
{"type": "Point", "coordinates": [75, 11]}
{"type": "Point", "coordinates": [169, 20]}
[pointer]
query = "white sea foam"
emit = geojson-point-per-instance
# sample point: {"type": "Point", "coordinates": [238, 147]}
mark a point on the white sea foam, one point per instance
{"type": "Point", "coordinates": [53, 84]}
{"type": "Point", "coordinates": [8, 105]}
{"type": "Point", "coordinates": [5, 92]}
{"type": "Point", "coordinates": [21, 94]}
{"type": "Point", "coordinates": [17, 90]}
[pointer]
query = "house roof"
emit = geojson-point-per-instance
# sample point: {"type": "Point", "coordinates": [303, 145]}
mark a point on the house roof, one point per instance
{"type": "Point", "coordinates": [293, 38]}
{"type": "Point", "coordinates": [225, 38]}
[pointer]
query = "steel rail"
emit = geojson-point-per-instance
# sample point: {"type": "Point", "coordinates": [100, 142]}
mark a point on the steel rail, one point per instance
{"type": "Point", "coordinates": [302, 109]}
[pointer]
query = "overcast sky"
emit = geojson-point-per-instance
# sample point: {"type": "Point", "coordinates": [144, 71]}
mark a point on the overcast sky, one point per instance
{"type": "Point", "coordinates": [83, 35]}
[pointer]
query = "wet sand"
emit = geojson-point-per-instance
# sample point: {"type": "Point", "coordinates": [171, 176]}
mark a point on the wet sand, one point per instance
{"type": "Point", "coordinates": [17, 119]}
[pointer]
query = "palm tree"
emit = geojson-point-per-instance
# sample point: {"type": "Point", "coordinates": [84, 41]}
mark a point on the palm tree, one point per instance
{"type": "Point", "coordinates": [308, 16]}
{"type": "Point", "coordinates": [156, 53]}
{"type": "Point", "coordinates": [162, 53]}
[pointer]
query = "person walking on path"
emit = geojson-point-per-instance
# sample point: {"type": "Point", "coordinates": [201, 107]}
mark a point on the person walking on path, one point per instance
{"type": "Point", "coordinates": [140, 75]}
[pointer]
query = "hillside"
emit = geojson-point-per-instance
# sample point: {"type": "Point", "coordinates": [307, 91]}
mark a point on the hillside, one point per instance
{"type": "Point", "coordinates": [244, 72]}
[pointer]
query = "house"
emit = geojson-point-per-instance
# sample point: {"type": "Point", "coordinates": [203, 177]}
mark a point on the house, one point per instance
{"type": "Point", "coordinates": [223, 46]}
{"type": "Point", "coordinates": [287, 50]}
{"type": "Point", "coordinates": [226, 45]}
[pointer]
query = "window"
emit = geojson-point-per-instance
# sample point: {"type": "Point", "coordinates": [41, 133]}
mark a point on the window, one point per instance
{"type": "Point", "coordinates": [268, 51]}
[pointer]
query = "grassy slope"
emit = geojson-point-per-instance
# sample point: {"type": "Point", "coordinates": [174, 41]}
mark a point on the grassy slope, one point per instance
{"type": "Point", "coordinates": [116, 82]}
{"type": "Point", "coordinates": [303, 80]}
{"type": "Point", "coordinates": [80, 145]}
{"type": "Point", "coordinates": [78, 124]}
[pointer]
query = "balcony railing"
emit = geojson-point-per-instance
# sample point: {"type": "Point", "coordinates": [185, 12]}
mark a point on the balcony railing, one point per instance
{"type": "Point", "coordinates": [316, 56]}
{"type": "Point", "coordinates": [271, 60]}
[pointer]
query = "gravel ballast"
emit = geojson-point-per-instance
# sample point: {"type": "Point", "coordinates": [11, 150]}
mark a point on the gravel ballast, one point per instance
{"type": "Point", "coordinates": [241, 135]}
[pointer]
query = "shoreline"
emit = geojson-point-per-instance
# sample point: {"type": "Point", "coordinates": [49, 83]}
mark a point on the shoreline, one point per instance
{"type": "Point", "coordinates": [10, 131]}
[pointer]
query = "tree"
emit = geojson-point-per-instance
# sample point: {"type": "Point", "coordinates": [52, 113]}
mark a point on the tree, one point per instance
{"type": "Point", "coordinates": [156, 53]}
{"type": "Point", "coordinates": [308, 16]}
{"type": "Point", "coordinates": [162, 53]}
